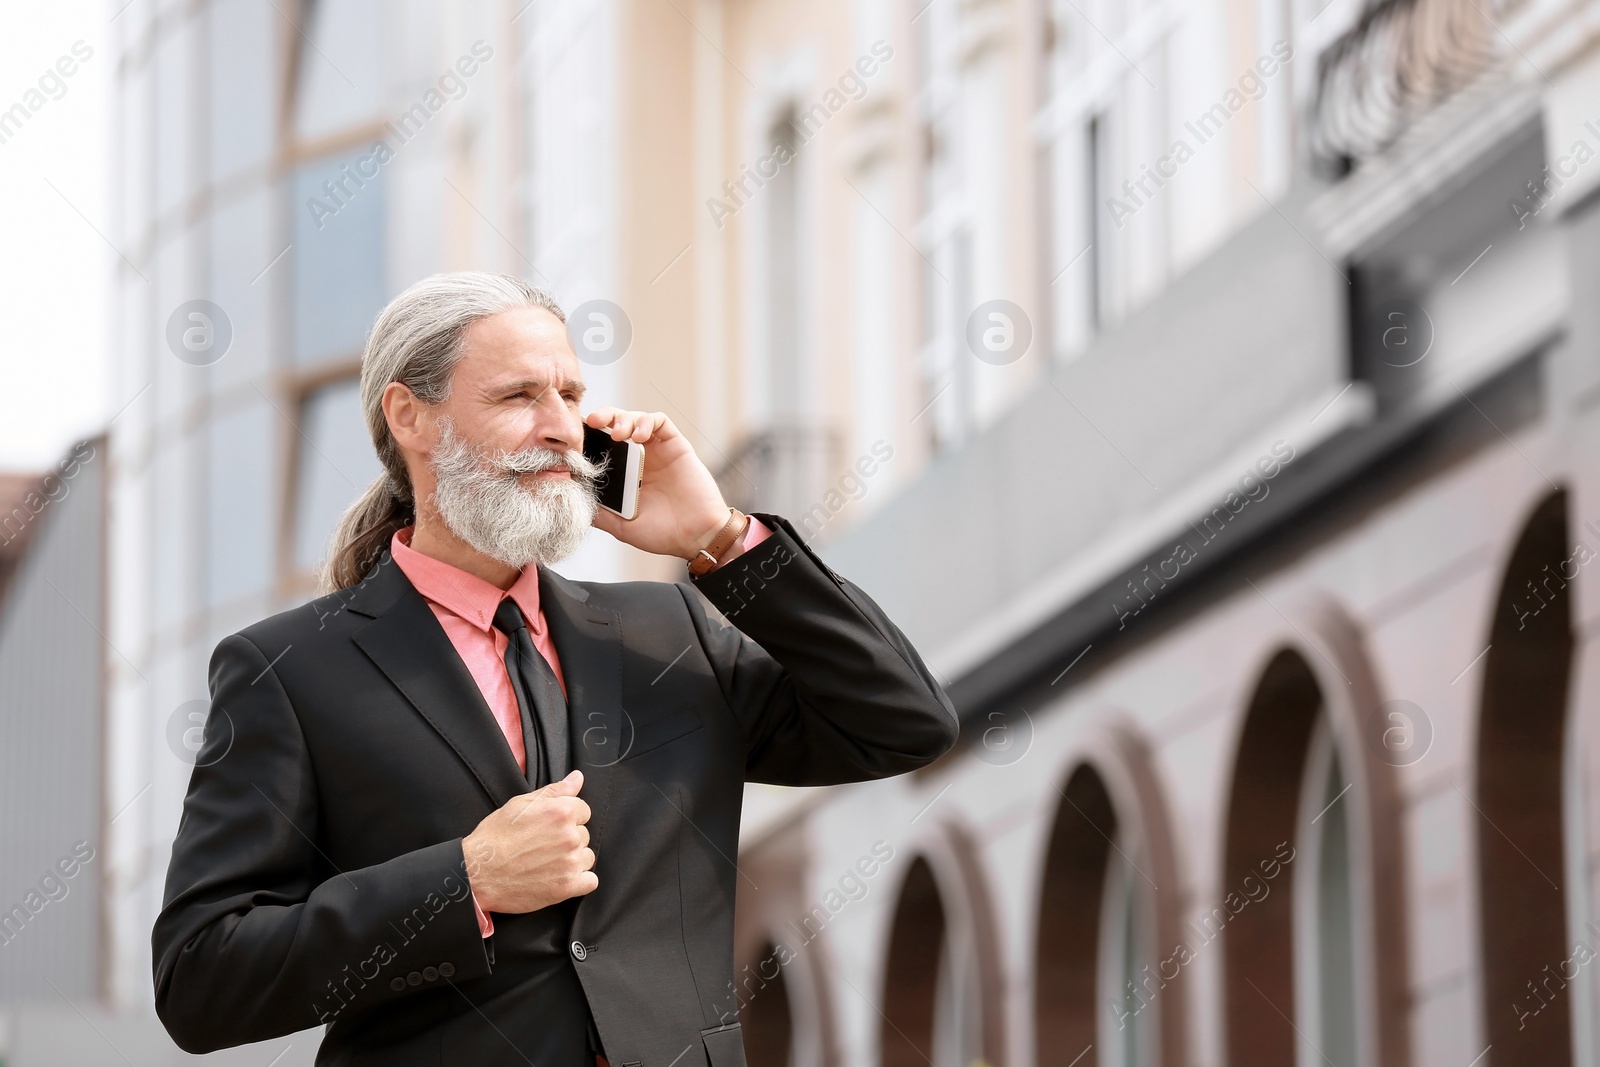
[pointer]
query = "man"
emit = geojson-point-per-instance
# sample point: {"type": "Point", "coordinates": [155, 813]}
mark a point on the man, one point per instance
{"type": "Point", "coordinates": [465, 811]}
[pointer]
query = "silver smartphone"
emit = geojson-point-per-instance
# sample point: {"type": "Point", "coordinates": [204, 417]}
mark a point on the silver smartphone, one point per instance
{"type": "Point", "coordinates": [624, 470]}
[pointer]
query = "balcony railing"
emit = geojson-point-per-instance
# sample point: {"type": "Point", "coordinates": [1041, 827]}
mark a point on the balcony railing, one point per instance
{"type": "Point", "coordinates": [1399, 60]}
{"type": "Point", "coordinates": [784, 469]}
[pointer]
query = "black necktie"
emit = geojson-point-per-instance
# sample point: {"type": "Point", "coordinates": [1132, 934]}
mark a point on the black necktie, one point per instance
{"type": "Point", "coordinates": [539, 698]}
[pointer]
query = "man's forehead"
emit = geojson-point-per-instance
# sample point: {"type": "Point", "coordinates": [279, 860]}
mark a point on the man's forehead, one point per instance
{"type": "Point", "coordinates": [525, 343]}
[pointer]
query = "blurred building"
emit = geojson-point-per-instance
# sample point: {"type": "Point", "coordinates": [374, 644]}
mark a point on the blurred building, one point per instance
{"type": "Point", "coordinates": [1209, 390]}
{"type": "Point", "coordinates": [1260, 576]}
{"type": "Point", "coordinates": [52, 722]}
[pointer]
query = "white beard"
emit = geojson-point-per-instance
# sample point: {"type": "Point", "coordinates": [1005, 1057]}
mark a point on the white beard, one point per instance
{"type": "Point", "coordinates": [481, 498]}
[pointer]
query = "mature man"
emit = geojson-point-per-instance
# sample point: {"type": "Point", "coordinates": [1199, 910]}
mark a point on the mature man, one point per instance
{"type": "Point", "coordinates": [465, 811]}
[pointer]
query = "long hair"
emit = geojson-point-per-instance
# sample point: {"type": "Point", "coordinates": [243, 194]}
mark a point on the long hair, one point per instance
{"type": "Point", "coordinates": [417, 341]}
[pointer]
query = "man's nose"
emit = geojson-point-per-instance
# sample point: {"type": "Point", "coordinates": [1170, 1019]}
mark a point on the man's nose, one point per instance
{"type": "Point", "coordinates": [559, 431]}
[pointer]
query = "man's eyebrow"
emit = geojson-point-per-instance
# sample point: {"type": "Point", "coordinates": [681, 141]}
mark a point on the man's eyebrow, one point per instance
{"type": "Point", "coordinates": [539, 384]}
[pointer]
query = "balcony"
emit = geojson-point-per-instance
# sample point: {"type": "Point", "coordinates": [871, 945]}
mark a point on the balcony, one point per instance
{"type": "Point", "coordinates": [784, 468]}
{"type": "Point", "coordinates": [1400, 59]}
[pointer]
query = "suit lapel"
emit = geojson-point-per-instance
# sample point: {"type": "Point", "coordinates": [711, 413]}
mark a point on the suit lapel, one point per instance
{"type": "Point", "coordinates": [588, 642]}
{"type": "Point", "coordinates": [408, 645]}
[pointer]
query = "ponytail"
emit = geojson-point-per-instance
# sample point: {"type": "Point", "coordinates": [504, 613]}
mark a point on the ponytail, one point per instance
{"type": "Point", "coordinates": [364, 532]}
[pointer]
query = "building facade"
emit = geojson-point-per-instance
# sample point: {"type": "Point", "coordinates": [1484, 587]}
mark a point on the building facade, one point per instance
{"type": "Point", "coordinates": [1262, 589]}
{"type": "Point", "coordinates": [1208, 388]}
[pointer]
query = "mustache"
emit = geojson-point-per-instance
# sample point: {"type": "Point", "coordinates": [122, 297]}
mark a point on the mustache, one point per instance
{"type": "Point", "coordinates": [584, 470]}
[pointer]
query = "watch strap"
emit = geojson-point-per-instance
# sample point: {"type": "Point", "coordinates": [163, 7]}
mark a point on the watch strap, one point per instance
{"type": "Point", "coordinates": [711, 556]}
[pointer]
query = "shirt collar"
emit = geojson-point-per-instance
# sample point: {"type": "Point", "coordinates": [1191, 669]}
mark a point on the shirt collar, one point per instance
{"type": "Point", "coordinates": [463, 594]}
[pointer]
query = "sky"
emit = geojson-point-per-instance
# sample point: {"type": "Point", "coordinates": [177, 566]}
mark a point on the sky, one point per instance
{"type": "Point", "coordinates": [56, 264]}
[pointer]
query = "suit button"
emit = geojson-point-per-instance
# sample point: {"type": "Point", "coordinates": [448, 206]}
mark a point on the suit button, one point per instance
{"type": "Point", "coordinates": [579, 953]}
{"type": "Point", "coordinates": [397, 984]}
{"type": "Point", "coordinates": [446, 970]}
{"type": "Point", "coordinates": [430, 974]}
{"type": "Point", "coordinates": [414, 978]}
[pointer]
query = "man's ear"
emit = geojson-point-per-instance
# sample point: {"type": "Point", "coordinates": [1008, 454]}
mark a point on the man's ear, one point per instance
{"type": "Point", "coordinates": [409, 420]}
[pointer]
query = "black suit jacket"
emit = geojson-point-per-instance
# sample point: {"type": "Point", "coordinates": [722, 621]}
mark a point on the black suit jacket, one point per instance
{"type": "Point", "coordinates": [318, 876]}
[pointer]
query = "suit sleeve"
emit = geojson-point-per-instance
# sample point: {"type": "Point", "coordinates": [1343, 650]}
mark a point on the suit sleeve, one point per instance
{"type": "Point", "coordinates": [825, 687]}
{"type": "Point", "coordinates": [259, 934]}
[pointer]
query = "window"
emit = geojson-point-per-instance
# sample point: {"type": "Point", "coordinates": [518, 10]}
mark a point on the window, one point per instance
{"type": "Point", "coordinates": [1528, 950]}
{"type": "Point", "coordinates": [338, 205]}
{"type": "Point", "coordinates": [942, 238]}
{"type": "Point", "coordinates": [785, 398]}
{"type": "Point", "coordinates": [1104, 126]}
{"type": "Point", "coordinates": [911, 991]}
{"type": "Point", "coordinates": [1128, 1031]}
{"type": "Point", "coordinates": [957, 1005]}
{"type": "Point", "coordinates": [1098, 229]}
{"type": "Point", "coordinates": [933, 1007]}
{"type": "Point", "coordinates": [1267, 944]}
{"type": "Point", "coordinates": [1314, 966]}
{"type": "Point", "coordinates": [1100, 986]}
{"type": "Point", "coordinates": [240, 86]}
{"type": "Point", "coordinates": [341, 75]}
{"type": "Point", "coordinates": [335, 463]}
{"type": "Point", "coordinates": [875, 248]}
{"type": "Point", "coordinates": [966, 172]}
{"type": "Point", "coordinates": [1325, 917]}
{"type": "Point", "coordinates": [338, 262]}
{"type": "Point", "coordinates": [786, 463]}
{"type": "Point", "coordinates": [239, 503]}
{"type": "Point", "coordinates": [1067, 189]}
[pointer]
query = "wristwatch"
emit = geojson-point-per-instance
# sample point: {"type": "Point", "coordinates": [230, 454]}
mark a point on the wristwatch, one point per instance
{"type": "Point", "coordinates": [707, 559]}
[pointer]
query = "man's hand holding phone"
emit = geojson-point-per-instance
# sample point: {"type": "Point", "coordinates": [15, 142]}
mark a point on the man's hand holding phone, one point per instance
{"type": "Point", "coordinates": [680, 507]}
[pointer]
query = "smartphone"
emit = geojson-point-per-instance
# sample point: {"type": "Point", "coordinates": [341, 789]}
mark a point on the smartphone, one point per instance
{"type": "Point", "coordinates": [624, 470]}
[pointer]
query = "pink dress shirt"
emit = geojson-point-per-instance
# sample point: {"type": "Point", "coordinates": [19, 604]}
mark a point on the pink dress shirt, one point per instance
{"type": "Point", "coordinates": [465, 605]}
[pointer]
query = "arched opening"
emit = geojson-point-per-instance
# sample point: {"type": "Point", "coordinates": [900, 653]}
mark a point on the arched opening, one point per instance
{"type": "Point", "coordinates": [916, 942]}
{"type": "Point", "coordinates": [765, 1017]}
{"type": "Point", "coordinates": [1520, 737]}
{"type": "Point", "coordinates": [1096, 979]}
{"type": "Point", "coordinates": [783, 946]}
{"type": "Point", "coordinates": [932, 995]}
{"type": "Point", "coordinates": [1289, 904]}
{"type": "Point", "coordinates": [1066, 970]}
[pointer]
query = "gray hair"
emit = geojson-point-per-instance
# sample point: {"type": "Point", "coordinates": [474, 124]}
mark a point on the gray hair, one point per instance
{"type": "Point", "coordinates": [416, 341]}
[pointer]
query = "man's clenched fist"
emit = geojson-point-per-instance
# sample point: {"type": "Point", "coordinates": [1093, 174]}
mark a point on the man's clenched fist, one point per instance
{"type": "Point", "coordinates": [532, 852]}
